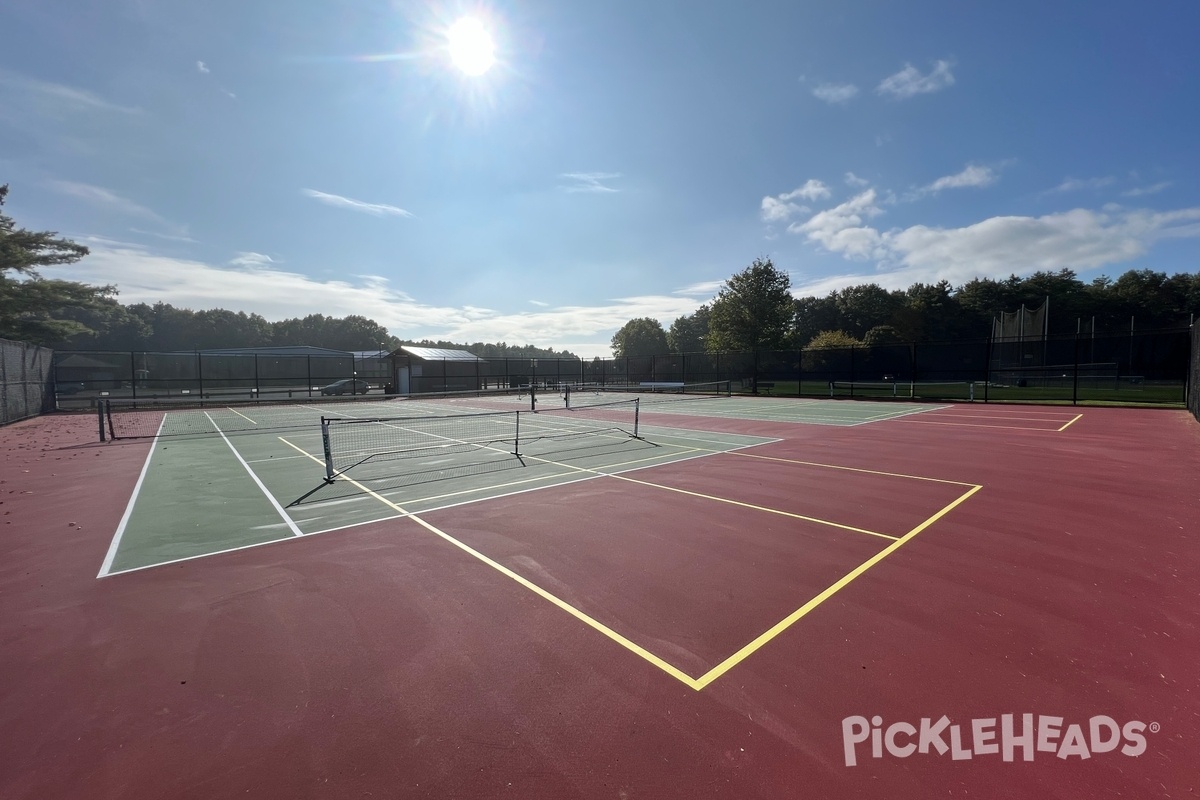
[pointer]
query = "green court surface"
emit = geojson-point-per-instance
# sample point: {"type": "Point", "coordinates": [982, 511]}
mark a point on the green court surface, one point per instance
{"type": "Point", "coordinates": [203, 495]}
{"type": "Point", "coordinates": [224, 490]}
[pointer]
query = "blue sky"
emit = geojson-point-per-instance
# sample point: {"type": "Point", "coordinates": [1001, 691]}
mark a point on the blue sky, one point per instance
{"type": "Point", "coordinates": [619, 159]}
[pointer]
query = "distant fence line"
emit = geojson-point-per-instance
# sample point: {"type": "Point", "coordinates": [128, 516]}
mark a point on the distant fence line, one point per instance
{"type": "Point", "coordinates": [25, 380]}
{"type": "Point", "coordinates": [1144, 367]}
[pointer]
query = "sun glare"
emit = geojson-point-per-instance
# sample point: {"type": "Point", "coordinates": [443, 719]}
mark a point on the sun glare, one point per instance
{"type": "Point", "coordinates": [471, 47]}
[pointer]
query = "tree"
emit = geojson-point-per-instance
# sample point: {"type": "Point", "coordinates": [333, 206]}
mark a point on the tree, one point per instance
{"type": "Point", "coordinates": [813, 315]}
{"type": "Point", "coordinates": [753, 311]}
{"type": "Point", "coordinates": [687, 333]}
{"type": "Point", "coordinates": [864, 307]}
{"type": "Point", "coordinates": [34, 308]}
{"type": "Point", "coordinates": [640, 337]}
{"type": "Point", "coordinates": [830, 340]}
{"type": "Point", "coordinates": [882, 335]}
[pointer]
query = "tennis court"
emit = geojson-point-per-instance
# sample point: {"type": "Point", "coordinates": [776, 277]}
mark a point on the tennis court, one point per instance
{"type": "Point", "coordinates": [593, 595]}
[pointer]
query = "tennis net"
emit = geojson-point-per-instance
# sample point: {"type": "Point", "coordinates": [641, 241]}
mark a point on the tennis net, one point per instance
{"type": "Point", "coordinates": [588, 394]}
{"type": "Point", "coordinates": [912, 390]}
{"type": "Point", "coordinates": [133, 418]}
{"type": "Point", "coordinates": [350, 443]}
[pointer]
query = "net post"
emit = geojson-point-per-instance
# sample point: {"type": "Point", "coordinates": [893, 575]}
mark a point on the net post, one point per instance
{"type": "Point", "coordinates": [517, 435]}
{"type": "Point", "coordinates": [100, 418]}
{"type": "Point", "coordinates": [637, 407]}
{"type": "Point", "coordinates": [112, 432]}
{"type": "Point", "coordinates": [327, 449]}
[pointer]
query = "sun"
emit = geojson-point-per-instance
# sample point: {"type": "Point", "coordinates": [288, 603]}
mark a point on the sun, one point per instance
{"type": "Point", "coordinates": [471, 46]}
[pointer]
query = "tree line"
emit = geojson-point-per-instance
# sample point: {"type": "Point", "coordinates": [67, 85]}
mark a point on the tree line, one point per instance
{"type": "Point", "coordinates": [755, 310]}
{"type": "Point", "coordinates": [75, 316]}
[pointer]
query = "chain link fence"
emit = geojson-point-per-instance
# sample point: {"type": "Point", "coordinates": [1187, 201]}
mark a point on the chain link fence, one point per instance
{"type": "Point", "coordinates": [25, 371]}
{"type": "Point", "coordinates": [1136, 368]}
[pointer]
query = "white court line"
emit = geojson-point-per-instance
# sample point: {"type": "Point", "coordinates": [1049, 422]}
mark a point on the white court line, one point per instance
{"type": "Point", "coordinates": [564, 481]}
{"type": "Point", "coordinates": [137, 488]}
{"type": "Point", "coordinates": [240, 414]}
{"type": "Point", "coordinates": [290, 522]}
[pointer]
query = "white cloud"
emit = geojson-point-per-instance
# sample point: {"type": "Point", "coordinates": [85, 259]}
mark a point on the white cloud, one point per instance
{"type": "Point", "coordinates": [1145, 190]}
{"type": "Point", "coordinates": [812, 189]}
{"type": "Point", "coordinates": [263, 288]}
{"type": "Point", "coordinates": [1077, 184]}
{"type": "Point", "coordinates": [780, 208]}
{"type": "Point", "coordinates": [973, 175]}
{"type": "Point", "coordinates": [1080, 239]}
{"type": "Point", "coordinates": [856, 182]}
{"type": "Point", "coordinates": [841, 229]}
{"type": "Point", "coordinates": [375, 209]}
{"type": "Point", "coordinates": [590, 181]}
{"type": "Point", "coordinates": [539, 304]}
{"type": "Point", "coordinates": [909, 81]}
{"type": "Point", "coordinates": [775, 210]}
{"type": "Point", "coordinates": [835, 93]}
{"type": "Point", "coordinates": [202, 67]}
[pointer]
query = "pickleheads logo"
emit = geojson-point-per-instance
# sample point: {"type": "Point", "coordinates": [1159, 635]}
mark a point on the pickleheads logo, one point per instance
{"type": "Point", "coordinates": [982, 737]}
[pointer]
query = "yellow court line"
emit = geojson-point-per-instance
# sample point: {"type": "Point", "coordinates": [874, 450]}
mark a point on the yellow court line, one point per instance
{"type": "Point", "coordinates": [714, 673]}
{"type": "Point", "coordinates": [846, 579]}
{"type": "Point", "coordinates": [243, 416]}
{"type": "Point", "coordinates": [849, 469]}
{"type": "Point", "coordinates": [990, 427]}
{"type": "Point", "coordinates": [1069, 424]}
{"type": "Point", "coordinates": [533, 587]}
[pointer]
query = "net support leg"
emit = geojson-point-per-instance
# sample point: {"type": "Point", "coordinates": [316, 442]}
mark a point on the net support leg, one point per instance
{"type": "Point", "coordinates": [100, 418]}
{"type": "Point", "coordinates": [328, 450]}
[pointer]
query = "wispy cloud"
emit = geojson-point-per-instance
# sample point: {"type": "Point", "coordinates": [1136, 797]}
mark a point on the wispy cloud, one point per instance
{"type": "Point", "coordinates": [590, 181]}
{"type": "Point", "coordinates": [539, 304]}
{"type": "Point", "coordinates": [1145, 190]}
{"type": "Point", "coordinates": [702, 289]}
{"type": "Point", "coordinates": [202, 67]}
{"type": "Point", "coordinates": [61, 95]}
{"type": "Point", "coordinates": [375, 209]}
{"type": "Point", "coordinates": [835, 93]}
{"type": "Point", "coordinates": [973, 175]}
{"type": "Point", "coordinates": [252, 260]}
{"type": "Point", "coordinates": [856, 182]}
{"type": "Point", "coordinates": [1078, 184]}
{"type": "Point", "coordinates": [909, 81]}
{"type": "Point", "coordinates": [106, 200]}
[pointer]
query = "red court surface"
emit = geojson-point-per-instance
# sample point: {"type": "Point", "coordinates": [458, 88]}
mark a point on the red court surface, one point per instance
{"type": "Point", "coordinates": [1032, 561]}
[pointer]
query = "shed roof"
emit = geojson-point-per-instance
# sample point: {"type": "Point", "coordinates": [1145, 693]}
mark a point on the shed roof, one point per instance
{"type": "Point", "coordinates": [439, 354]}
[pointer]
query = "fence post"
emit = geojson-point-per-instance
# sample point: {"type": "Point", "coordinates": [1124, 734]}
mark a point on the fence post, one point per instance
{"type": "Point", "coordinates": [1075, 374]}
{"type": "Point", "coordinates": [200, 373]}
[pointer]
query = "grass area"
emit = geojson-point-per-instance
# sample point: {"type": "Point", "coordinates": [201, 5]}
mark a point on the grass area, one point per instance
{"type": "Point", "coordinates": [1171, 395]}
